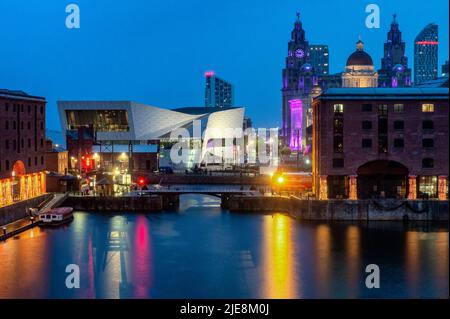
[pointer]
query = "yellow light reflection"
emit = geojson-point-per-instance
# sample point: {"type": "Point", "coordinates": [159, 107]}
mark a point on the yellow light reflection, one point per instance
{"type": "Point", "coordinates": [353, 244]}
{"type": "Point", "coordinates": [323, 266]}
{"type": "Point", "coordinates": [412, 261]}
{"type": "Point", "coordinates": [279, 271]}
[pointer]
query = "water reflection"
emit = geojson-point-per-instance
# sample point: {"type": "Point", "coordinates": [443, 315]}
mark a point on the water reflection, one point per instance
{"type": "Point", "coordinates": [278, 247]}
{"type": "Point", "coordinates": [206, 252]}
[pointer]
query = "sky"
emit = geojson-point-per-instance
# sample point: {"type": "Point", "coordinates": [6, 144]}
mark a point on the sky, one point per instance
{"type": "Point", "coordinates": [156, 51]}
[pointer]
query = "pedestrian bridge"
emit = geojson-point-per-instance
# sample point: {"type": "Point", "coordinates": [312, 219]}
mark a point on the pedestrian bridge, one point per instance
{"type": "Point", "coordinates": [213, 190]}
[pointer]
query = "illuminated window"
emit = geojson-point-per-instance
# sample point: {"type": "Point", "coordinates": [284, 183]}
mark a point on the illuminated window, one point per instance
{"type": "Point", "coordinates": [338, 108]}
{"type": "Point", "coordinates": [428, 107]}
{"type": "Point", "coordinates": [399, 108]}
{"type": "Point", "coordinates": [428, 186]}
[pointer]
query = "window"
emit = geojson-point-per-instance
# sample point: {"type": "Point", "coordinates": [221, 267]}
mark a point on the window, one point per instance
{"type": "Point", "coordinates": [428, 186]}
{"type": "Point", "coordinates": [428, 107]}
{"type": "Point", "coordinates": [42, 110]}
{"type": "Point", "coordinates": [338, 162]}
{"type": "Point", "coordinates": [42, 125]}
{"type": "Point", "coordinates": [428, 125]}
{"type": "Point", "coordinates": [6, 107]}
{"type": "Point", "coordinates": [338, 108]}
{"type": "Point", "coordinates": [21, 125]}
{"type": "Point", "coordinates": [29, 161]}
{"type": "Point", "coordinates": [366, 125]}
{"type": "Point", "coordinates": [29, 108]}
{"type": "Point", "coordinates": [29, 142]}
{"type": "Point", "coordinates": [427, 142]}
{"type": "Point", "coordinates": [366, 143]}
{"type": "Point", "coordinates": [7, 144]}
{"type": "Point", "coordinates": [382, 109]}
{"type": "Point", "coordinates": [399, 108]}
{"type": "Point", "coordinates": [35, 161]}
{"type": "Point", "coordinates": [399, 125]}
{"type": "Point", "coordinates": [14, 125]}
{"type": "Point", "coordinates": [29, 125]}
{"type": "Point", "coordinates": [399, 142]}
{"type": "Point", "coordinates": [338, 125]}
{"type": "Point", "coordinates": [7, 165]}
{"type": "Point", "coordinates": [427, 163]}
{"type": "Point", "coordinates": [338, 144]}
{"type": "Point", "coordinates": [21, 108]}
{"type": "Point", "coordinates": [6, 125]}
{"type": "Point", "coordinates": [366, 108]}
{"type": "Point", "coordinates": [42, 160]}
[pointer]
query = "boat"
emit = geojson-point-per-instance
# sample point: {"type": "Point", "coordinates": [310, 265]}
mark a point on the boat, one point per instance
{"type": "Point", "coordinates": [56, 216]}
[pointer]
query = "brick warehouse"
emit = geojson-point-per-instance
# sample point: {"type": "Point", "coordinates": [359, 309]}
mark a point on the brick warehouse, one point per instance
{"type": "Point", "coordinates": [22, 146]}
{"type": "Point", "coordinates": [381, 142]}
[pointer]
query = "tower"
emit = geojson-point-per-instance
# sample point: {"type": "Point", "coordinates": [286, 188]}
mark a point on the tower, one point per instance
{"type": "Point", "coordinates": [426, 54]}
{"type": "Point", "coordinates": [394, 70]}
{"type": "Point", "coordinates": [298, 79]}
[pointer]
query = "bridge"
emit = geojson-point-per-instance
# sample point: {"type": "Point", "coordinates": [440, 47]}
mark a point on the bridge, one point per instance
{"type": "Point", "coordinates": [213, 190]}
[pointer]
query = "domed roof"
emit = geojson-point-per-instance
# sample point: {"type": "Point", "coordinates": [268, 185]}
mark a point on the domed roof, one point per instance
{"type": "Point", "coordinates": [359, 57]}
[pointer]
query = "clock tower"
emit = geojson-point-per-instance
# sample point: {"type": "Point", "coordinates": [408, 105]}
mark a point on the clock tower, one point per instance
{"type": "Point", "coordinates": [298, 79]}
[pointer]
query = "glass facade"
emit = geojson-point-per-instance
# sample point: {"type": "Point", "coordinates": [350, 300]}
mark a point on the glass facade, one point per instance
{"type": "Point", "coordinates": [101, 120]}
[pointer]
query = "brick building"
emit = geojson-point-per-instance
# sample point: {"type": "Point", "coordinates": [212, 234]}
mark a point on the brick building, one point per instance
{"type": "Point", "coordinates": [381, 142]}
{"type": "Point", "coordinates": [22, 146]}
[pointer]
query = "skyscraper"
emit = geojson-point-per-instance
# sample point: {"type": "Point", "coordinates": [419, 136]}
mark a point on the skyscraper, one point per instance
{"type": "Point", "coordinates": [318, 54]}
{"type": "Point", "coordinates": [444, 70]}
{"type": "Point", "coordinates": [298, 79]}
{"type": "Point", "coordinates": [394, 70]}
{"type": "Point", "coordinates": [426, 54]}
{"type": "Point", "coordinates": [218, 92]}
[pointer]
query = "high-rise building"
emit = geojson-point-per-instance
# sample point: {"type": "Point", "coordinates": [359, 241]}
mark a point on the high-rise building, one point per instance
{"type": "Point", "coordinates": [319, 57]}
{"type": "Point", "coordinates": [218, 92]}
{"type": "Point", "coordinates": [426, 54]}
{"type": "Point", "coordinates": [22, 147]}
{"type": "Point", "coordinates": [394, 70]}
{"type": "Point", "coordinates": [444, 70]}
{"type": "Point", "coordinates": [359, 71]}
{"type": "Point", "coordinates": [298, 79]}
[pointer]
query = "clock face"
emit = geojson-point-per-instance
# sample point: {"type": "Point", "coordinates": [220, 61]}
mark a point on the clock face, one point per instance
{"type": "Point", "coordinates": [299, 53]}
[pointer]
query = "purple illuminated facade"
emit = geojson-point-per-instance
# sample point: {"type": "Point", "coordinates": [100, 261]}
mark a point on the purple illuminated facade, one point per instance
{"type": "Point", "coordinates": [394, 70]}
{"type": "Point", "coordinates": [298, 80]}
{"type": "Point", "coordinates": [296, 124]}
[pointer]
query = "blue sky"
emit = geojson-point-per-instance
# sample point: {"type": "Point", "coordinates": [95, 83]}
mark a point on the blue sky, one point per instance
{"type": "Point", "coordinates": [156, 52]}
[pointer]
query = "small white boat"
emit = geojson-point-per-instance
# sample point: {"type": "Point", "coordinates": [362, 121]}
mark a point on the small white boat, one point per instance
{"type": "Point", "coordinates": [56, 216]}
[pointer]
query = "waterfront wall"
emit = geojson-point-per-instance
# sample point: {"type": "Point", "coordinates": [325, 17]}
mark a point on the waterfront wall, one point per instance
{"type": "Point", "coordinates": [16, 211]}
{"type": "Point", "coordinates": [344, 209]}
{"type": "Point", "coordinates": [121, 204]}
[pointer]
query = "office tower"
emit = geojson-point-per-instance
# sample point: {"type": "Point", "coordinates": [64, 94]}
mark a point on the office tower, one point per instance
{"type": "Point", "coordinates": [426, 54]}
{"type": "Point", "coordinates": [218, 92]}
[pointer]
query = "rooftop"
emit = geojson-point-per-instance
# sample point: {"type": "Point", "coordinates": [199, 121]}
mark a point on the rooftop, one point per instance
{"type": "Point", "coordinates": [385, 93]}
{"type": "Point", "coordinates": [17, 94]}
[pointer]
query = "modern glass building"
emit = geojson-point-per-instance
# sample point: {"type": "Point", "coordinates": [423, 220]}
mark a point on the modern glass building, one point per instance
{"type": "Point", "coordinates": [426, 54]}
{"type": "Point", "coordinates": [218, 92]}
{"type": "Point", "coordinates": [319, 58]}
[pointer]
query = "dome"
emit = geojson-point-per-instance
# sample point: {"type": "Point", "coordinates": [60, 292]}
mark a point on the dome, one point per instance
{"type": "Point", "coordinates": [359, 57]}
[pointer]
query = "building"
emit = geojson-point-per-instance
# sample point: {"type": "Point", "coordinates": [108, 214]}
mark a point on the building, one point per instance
{"type": "Point", "coordinates": [129, 137]}
{"type": "Point", "coordinates": [381, 142]}
{"type": "Point", "coordinates": [56, 158]}
{"type": "Point", "coordinates": [319, 58]}
{"type": "Point", "coordinates": [359, 71]}
{"type": "Point", "coordinates": [22, 147]}
{"type": "Point", "coordinates": [218, 92]}
{"type": "Point", "coordinates": [444, 69]}
{"type": "Point", "coordinates": [394, 70]}
{"type": "Point", "coordinates": [298, 80]}
{"type": "Point", "coordinates": [426, 54]}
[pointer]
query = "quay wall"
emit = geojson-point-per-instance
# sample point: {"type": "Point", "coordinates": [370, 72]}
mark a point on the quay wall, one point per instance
{"type": "Point", "coordinates": [16, 211]}
{"type": "Point", "coordinates": [121, 204]}
{"type": "Point", "coordinates": [312, 209]}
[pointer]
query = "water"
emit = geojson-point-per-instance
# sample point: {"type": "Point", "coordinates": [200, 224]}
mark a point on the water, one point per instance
{"type": "Point", "coordinates": [202, 251]}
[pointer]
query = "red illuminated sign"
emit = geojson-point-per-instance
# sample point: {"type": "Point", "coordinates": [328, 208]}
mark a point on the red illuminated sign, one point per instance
{"type": "Point", "coordinates": [427, 42]}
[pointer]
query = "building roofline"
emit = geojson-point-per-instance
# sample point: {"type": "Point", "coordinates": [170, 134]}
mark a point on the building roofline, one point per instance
{"type": "Point", "coordinates": [384, 93]}
{"type": "Point", "coordinates": [19, 95]}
